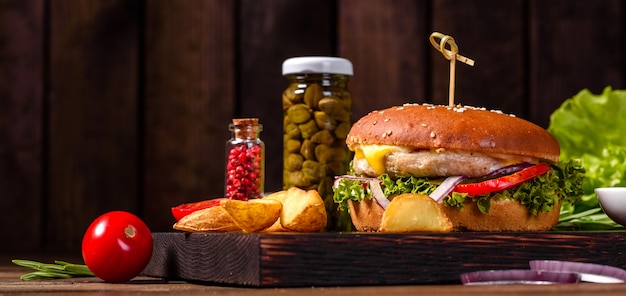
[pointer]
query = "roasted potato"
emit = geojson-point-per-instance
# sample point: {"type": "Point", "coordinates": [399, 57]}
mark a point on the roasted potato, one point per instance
{"type": "Point", "coordinates": [214, 219]}
{"type": "Point", "coordinates": [414, 213]}
{"type": "Point", "coordinates": [279, 196]}
{"type": "Point", "coordinates": [253, 215]}
{"type": "Point", "coordinates": [303, 211]}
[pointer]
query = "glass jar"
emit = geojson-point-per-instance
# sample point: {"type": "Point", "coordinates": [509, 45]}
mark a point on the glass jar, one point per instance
{"type": "Point", "coordinates": [245, 160]}
{"type": "Point", "coordinates": [317, 109]}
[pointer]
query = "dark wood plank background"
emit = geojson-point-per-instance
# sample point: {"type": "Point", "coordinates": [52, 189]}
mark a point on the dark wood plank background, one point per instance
{"type": "Point", "coordinates": [124, 104]}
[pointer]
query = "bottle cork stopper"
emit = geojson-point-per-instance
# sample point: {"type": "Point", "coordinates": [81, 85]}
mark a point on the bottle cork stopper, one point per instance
{"type": "Point", "coordinates": [245, 127]}
{"type": "Point", "coordinates": [245, 121]}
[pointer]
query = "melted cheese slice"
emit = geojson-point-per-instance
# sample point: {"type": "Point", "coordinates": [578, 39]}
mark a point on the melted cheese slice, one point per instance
{"type": "Point", "coordinates": [375, 155]}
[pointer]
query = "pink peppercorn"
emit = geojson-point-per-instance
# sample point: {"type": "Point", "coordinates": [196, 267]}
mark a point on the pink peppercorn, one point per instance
{"type": "Point", "coordinates": [245, 160]}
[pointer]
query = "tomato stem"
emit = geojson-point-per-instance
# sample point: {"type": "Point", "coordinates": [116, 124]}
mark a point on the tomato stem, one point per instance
{"type": "Point", "coordinates": [129, 231]}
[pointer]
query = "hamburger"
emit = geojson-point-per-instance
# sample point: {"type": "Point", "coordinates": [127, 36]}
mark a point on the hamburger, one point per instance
{"type": "Point", "coordinates": [488, 171]}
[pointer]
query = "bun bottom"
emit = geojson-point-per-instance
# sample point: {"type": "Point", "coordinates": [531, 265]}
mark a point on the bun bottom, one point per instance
{"type": "Point", "coordinates": [505, 215]}
{"type": "Point", "coordinates": [366, 215]}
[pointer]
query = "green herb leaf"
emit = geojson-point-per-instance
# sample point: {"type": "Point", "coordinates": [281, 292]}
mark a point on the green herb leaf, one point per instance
{"type": "Point", "coordinates": [60, 269]}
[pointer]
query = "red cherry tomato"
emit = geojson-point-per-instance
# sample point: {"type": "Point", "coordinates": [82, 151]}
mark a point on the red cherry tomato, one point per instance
{"type": "Point", "coordinates": [117, 246]}
{"type": "Point", "coordinates": [188, 208]}
{"type": "Point", "coordinates": [505, 182]}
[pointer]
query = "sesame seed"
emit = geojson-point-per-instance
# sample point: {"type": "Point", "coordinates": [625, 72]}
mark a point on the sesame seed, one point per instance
{"type": "Point", "coordinates": [432, 135]}
{"type": "Point", "coordinates": [386, 119]}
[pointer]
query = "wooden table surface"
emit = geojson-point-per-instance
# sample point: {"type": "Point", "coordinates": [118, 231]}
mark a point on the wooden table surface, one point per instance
{"type": "Point", "coordinates": [11, 284]}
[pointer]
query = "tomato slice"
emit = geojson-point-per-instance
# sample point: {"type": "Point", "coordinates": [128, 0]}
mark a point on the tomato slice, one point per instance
{"type": "Point", "coordinates": [504, 182]}
{"type": "Point", "coordinates": [185, 209]}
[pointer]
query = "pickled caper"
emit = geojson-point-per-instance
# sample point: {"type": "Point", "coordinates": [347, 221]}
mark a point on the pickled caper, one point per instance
{"type": "Point", "coordinates": [326, 154]}
{"type": "Point", "coordinates": [323, 137]}
{"type": "Point", "coordinates": [313, 170]}
{"type": "Point", "coordinates": [299, 113]}
{"type": "Point", "coordinates": [292, 94]}
{"type": "Point", "coordinates": [324, 121]}
{"type": "Point", "coordinates": [342, 130]}
{"type": "Point", "coordinates": [312, 95]}
{"type": "Point", "coordinates": [308, 129]}
{"type": "Point", "coordinates": [293, 162]}
{"type": "Point", "coordinates": [292, 131]}
{"type": "Point", "coordinates": [307, 150]}
{"type": "Point", "coordinates": [334, 108]}
{"type": "Point", "coordinates": [292, 145]}
{"type": "Point", "coordinates": [286, 122]}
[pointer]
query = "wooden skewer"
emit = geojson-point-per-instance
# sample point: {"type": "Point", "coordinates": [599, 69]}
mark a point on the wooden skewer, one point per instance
{"type": "Point", "coordinates": [452, 55]}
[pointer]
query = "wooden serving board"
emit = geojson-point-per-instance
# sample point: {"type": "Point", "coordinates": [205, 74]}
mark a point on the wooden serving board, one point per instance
{"type": "Point", "coordinates": [343, 259]}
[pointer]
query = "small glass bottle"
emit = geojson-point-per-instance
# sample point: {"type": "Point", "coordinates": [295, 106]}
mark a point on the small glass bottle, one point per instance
{"type": "Point", "coordinates": [245, 160]}
{"type": "Point", "coordinates": [317, 109]}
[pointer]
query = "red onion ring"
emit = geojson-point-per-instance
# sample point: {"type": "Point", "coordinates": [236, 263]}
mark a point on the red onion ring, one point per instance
{"type": "Point", "coordinates": [518, 276]}
{"type": "Point", "coordinates": [378, 194]}
{"type": "Point", "coordinates": [446, 187]}
{"type": "Point", "coordinates": [507, 170]}
{"type": "Point", "coordinates": [590, 272]}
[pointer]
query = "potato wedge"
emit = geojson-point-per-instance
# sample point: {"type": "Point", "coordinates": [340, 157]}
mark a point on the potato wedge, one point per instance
{"type": "Point", "coordinates": [279, 196]}
{"type": "Point", "coordinates": [253, 215]}
{"type": "Point", "coordinates": [303, 211]}
{"type": "Point", "coordinates": [213, 219]}
{"type": "Point", "coordinates": [414, 213]}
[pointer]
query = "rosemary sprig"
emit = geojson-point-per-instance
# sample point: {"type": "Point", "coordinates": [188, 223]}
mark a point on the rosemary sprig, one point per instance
{"type": "Point", "coordinates": [59, 270]}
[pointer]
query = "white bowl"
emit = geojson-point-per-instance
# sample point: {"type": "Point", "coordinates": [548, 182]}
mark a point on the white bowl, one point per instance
{"type": "Point", "coordinates": [613, 202]}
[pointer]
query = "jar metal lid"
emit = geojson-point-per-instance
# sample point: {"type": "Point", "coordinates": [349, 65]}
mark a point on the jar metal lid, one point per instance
{"type": "Point", "coordinates": [330, 65]}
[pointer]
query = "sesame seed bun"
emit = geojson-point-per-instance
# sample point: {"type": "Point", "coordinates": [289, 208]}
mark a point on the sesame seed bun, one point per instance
{"type": "Point", "coordinates": [470, 129]}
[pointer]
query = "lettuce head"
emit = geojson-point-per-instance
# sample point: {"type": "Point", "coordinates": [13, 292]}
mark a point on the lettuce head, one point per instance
{"type": "Point", "coordinates": [590, 127]}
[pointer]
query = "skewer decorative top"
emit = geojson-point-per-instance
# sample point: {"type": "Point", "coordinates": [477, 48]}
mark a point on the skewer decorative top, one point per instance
{"type": "Point", "coordinates": [451, 54]}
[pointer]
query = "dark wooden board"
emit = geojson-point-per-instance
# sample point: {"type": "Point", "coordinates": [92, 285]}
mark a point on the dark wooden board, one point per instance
{"type": "Point", "coordinates": [345, 259]}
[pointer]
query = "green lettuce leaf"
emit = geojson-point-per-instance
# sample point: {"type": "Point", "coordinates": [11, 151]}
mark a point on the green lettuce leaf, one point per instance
{"type": "Point", "coordinates": [563, 183]}
{"type": "Point", "coordinates": [539, 195]}
{"type": "Point", "coordinates": [589, 127]}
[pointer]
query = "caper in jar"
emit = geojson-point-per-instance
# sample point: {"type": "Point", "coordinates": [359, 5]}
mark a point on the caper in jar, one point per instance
{"type": "Point", "coordinates": [313, 170]}
{"type": "Point", "coordinates": [299, 113]}
{"type": "Point", "coordinates": [323, 137]}
{"type": "Point", "coordinates": [324, 121]}
{"type": "Point", "coordinates": [312, 95]}
{"type": "Point", "coordinates": [292, 145]}
{"type": "Point", "coordinates": [307, 150]}
{"type": "Point", "coordinates": [293, 162]}
{"type": "Point", "coordinates": [308, 129]}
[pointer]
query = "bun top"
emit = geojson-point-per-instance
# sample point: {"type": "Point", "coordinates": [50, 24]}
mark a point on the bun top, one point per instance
{"type": "Point", "coordinates": [454, 128]}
